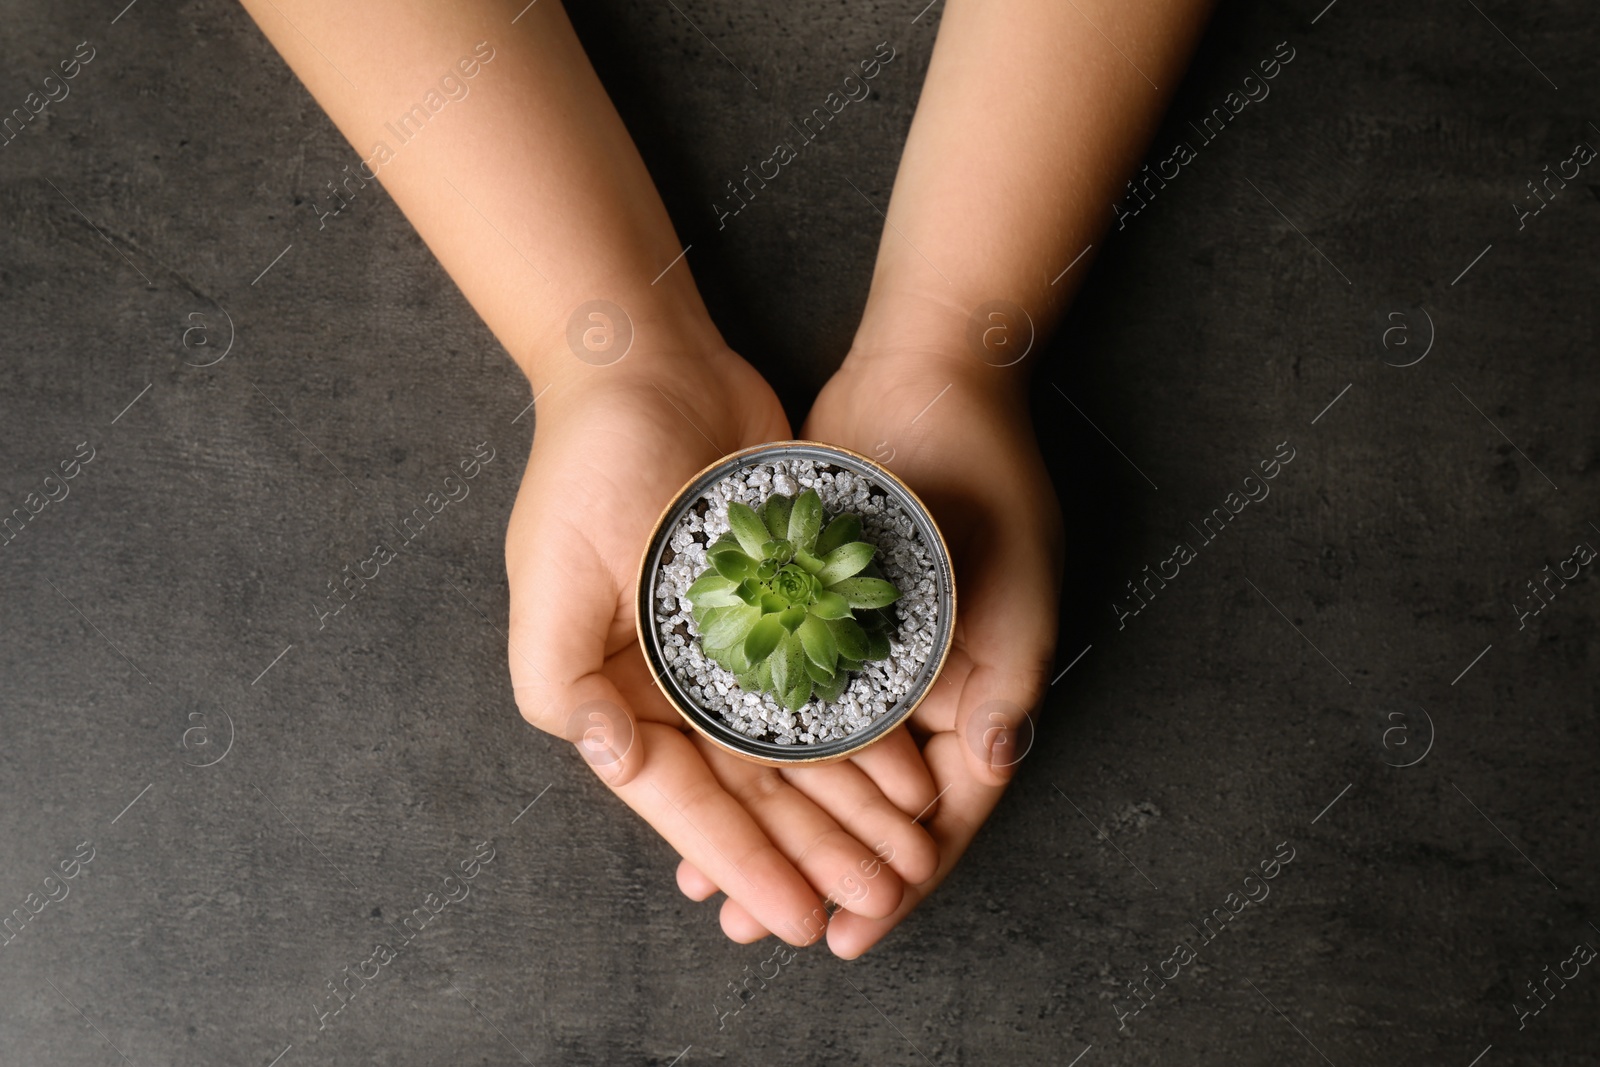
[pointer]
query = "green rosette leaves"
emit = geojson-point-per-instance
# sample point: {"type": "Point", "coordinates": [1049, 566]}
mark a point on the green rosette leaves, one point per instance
{"type": "Point", "coordinates": [791, 604]}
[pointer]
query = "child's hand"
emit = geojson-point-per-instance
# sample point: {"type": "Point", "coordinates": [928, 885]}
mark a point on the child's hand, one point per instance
{"type": "Point", "coordinates": [612, 446]}
{"type": "Point", "coordinates": [973, 459]}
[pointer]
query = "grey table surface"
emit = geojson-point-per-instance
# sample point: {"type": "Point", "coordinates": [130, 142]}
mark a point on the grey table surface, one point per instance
{"type": "Point", "coordinates": [1352, 671]}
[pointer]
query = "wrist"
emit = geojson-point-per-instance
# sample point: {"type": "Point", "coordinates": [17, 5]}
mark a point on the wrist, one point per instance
{"type": "Point", "coordinates": [626, 341]}
{"type": "Point", "coordinates": [989, 346]}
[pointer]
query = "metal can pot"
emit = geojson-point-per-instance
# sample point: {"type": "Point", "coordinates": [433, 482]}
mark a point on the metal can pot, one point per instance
{"type": "Point", "coordinates": [707, 722]}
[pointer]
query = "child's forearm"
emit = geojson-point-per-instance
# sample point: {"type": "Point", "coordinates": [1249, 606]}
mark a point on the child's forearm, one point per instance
{"type": "Point", "coordinates": [500, 145]}
{"type": "Point", "coordinates": [1033, 113]}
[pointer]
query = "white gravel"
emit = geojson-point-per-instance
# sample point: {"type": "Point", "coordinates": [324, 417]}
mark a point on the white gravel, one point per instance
{"type": "Point", "coordinates": [904, 558]}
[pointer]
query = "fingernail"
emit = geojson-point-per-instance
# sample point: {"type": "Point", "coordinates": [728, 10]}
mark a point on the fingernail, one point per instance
{"type": "Point", "coordinates": [602, 757]}
{"type": "Point", "coordinates": [604, 735]}
{"type": "Point", "coordinates": [1002, 751]}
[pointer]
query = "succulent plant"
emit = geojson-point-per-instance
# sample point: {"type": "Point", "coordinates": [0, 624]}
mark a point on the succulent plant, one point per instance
{"type": "Point", "coordinates": [789, 606]}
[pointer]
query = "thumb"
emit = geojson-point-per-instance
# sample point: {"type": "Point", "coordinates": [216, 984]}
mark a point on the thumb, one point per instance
{"type": "Point", "coordinates": [562, 609]}
{"type": "Point", "coordinates": [1007, 618]}
{"type": "Point", "coordinates": [995, 719]}
{"type": "Point", "coordinates": [591, 713]}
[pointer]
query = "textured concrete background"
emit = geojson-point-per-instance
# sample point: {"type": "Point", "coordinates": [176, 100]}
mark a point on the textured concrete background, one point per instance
{"type": "Point", "coordinates": [164, 610]}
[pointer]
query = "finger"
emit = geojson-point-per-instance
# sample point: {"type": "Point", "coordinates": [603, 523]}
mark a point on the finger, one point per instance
{"type": "Point", "coordinates": [894, 763]}
{"type": "Point", "coordinates": [562, 608]}
{"type": "Point", "coordinates": [740, 925]}
{"type": "Point", "coordinates": [1008, 634]}
{"type": "Point", "coordinates": [833, 861]}
{"type": "Point", "coordinates": [845, 792]}
{"type": "Point", "coordinates": [593, 714]}
{"type": "Point", "coordinates": [937, 712]}
{"type": "Point", "coordinates": [677, 794]}
{"type": "Point", "coordinates": [966, 803]}
{"type": "Point", "coordinates": [693, 882]}
{"type": "Point", "coordinates": [994, 722]}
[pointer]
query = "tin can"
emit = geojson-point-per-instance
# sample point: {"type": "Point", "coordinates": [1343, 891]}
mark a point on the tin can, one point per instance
{"type": "Point", "coordinates": [707, 722]}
